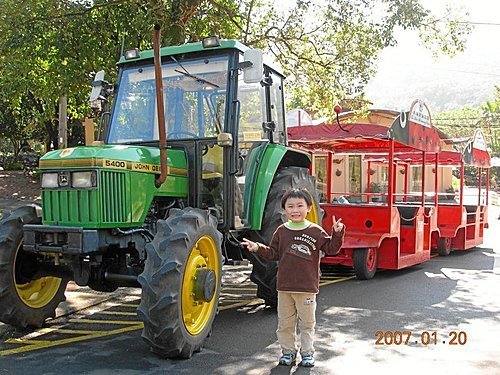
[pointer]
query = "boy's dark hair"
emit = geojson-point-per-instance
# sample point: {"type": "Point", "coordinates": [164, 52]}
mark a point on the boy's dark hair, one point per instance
{"type": "Point", "coordinates": [296, 193]}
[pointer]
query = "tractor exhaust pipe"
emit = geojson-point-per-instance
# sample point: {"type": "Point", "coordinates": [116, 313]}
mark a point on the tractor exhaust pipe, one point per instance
{"type": "Point", "coordinates": [160, 107]}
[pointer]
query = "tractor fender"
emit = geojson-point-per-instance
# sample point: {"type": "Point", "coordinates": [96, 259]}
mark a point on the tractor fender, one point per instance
{"type": "Point", "coordinates": [264, 165]}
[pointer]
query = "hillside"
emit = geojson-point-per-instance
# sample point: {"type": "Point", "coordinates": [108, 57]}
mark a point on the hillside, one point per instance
{"type": "Point", "coordinates": [443, 92]}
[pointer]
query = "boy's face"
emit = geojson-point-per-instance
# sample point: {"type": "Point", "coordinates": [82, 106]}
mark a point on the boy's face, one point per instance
{"type": "Point", "coordinates": [296, 209]}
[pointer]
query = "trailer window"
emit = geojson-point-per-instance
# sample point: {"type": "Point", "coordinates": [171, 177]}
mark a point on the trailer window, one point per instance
{"type": "Point", "coordinates": [416, 178]}
{"type": "Point", "coordinates": [320, 171]}
{"type": "Point", "coordinates": [355, 174]}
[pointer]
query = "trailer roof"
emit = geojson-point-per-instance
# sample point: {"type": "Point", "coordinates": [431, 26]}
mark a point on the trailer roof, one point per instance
{"type": "Point", "coordinates": [476, 152]}
{"type": "Point", "coordinates": [357, 137]}
{"type": "Point", "coordinates": [411, 131]}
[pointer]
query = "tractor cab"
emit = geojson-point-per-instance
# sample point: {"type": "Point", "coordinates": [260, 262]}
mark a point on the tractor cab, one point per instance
{"type": "Point", "coordinates": [222, 104]}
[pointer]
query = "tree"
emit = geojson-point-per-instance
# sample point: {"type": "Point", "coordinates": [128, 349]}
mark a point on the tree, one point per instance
{"type": "Point", "coordinates": [54, 47]}
{"type": "Point", "coordinates": [491, 121]}
{"type": "Point", "coordinates": [15, 126]}
{"type": "Point", "coordinates": [329, 49]}
{"type": "Point", "coordinates": [461, 123]}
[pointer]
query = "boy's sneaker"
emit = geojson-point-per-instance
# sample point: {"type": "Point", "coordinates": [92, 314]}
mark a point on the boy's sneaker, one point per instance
{"type": "Point", "coordinates": [287, 359]}
{"type": "Point", "coordinates": [307, 361]}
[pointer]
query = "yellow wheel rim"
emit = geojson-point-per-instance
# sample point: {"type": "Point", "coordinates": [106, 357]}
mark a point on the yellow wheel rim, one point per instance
{"type": "Point", "coordinates": [37, 293]}
{"type": "Point", "coordinates": [197, 314]}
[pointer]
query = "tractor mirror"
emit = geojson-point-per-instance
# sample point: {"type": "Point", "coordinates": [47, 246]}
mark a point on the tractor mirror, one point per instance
{"type": "Point", "coordinates": [97, 86]}
{"type": "Point", "coordinates": [101, 90]}
{"type": "Point", "coordinates": [253, 66]}
{"type": "Point", "coordinates": [225, 139]}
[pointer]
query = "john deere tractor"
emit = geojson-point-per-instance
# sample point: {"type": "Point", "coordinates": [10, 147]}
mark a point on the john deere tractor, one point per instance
{"type": "Point", "coordinates": [191, 155]}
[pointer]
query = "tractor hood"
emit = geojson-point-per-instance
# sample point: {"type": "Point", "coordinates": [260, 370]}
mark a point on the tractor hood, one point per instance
{"type": "Point", "coordinates": [134, 158]}
{"type": "Point", "coordinates": [123, 190]}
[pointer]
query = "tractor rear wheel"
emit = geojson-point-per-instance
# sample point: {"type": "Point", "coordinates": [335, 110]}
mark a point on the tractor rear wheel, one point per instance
{"type": "Point", "coordinates": [264, 271]}
{"type": "Point", "coordinates": [365, 263]}
{"type": "Point", "coordinates": [24, 301]}
{"type": "Point", "coordinates": [444, 246]}
{"type": "Point", "coordinates": [181, 283]}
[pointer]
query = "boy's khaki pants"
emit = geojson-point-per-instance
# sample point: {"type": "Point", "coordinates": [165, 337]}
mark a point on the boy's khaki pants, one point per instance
{"type": "Point", "coordinates": [293, 307]}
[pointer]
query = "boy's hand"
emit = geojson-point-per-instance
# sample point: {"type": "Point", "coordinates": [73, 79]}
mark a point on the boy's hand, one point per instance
{"type": "Point", "coordinates": [338, 225]}
{"type": "Point", "coordinates": [250, 245]}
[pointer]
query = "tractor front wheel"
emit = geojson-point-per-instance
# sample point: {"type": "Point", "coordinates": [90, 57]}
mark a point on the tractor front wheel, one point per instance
{"type": "Point", "coordinates": [264, 271]}
{"type": "Point", "coordinates": [24, 301]}
{"type": "Point", "coordinates": [181, 283]}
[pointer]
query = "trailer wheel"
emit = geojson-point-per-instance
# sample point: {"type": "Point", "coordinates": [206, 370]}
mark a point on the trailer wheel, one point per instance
{"type": "Point", "coordinates": [365, 262]}
{"type": "Point", "coordinates": [264, 271]}
{"type": "Point", "coordinates": [181, 283]}
{"type": "Point", "coordinates": [24, 301]}
{"type": "Point", "coordinates": [444, 246]}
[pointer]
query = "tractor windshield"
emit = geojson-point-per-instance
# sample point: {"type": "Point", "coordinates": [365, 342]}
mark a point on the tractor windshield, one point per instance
{"type": "Point", "coordinates": [194, 94]}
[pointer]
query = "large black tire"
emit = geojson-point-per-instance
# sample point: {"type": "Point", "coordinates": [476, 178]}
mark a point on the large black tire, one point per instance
{"type": "Point", "coordinates": [365, 262]}
{"type": "Point", "coordinates": [264, 271]}
{"type": "Point", "coordinates": [444, 247]}
{"type": "Point", "coordinates": [24, 302]}
{"type": "Point", "coordinates": [181, 283]}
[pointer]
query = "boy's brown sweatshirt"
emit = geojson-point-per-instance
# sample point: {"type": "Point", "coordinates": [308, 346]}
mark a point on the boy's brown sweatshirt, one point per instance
{"type": "Point", "coordinates": [298, 253]}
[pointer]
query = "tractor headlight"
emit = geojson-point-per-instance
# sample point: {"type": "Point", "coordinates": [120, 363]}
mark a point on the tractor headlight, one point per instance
{"type": "Point", "coordinates": [87, 179]}
{"type": "Point", "coordinates": [210, 41]}
{"type": "Point", "coordinates": [49, 180]}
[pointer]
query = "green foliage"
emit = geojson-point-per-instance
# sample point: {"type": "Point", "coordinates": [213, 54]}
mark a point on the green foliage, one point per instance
{"type": "Point", "coordinates": [13, 166]}
{"type": "Point", "coordinates": [461, 123]}
{"type": "Point", "coordinates": [329, 49]}
{"type": "Point", "coordinates": [15, 126]}
{"type": "Point", "coordinates": [445, 34]}
{"type": "Point", "coordinates": [51, 48]}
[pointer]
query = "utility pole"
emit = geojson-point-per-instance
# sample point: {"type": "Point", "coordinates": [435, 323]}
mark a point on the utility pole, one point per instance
{"type": "Point", "coordinates": [63, 122]}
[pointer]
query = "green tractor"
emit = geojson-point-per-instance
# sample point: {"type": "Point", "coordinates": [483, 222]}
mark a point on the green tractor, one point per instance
{"type": "Point", "coordinates": [160, 200]}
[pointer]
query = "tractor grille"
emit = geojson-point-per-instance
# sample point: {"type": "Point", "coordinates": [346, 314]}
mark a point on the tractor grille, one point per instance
{"type": "Point", "coordinates": [108, 204]}
{"type": "Point", "coordinates": [112, 197]}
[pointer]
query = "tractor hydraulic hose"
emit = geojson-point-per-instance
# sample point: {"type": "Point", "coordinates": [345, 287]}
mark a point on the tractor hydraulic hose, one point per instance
{"type": "Point", "coordinates": [160, 107]}
{"type": "Point", "coordinates": [144, 231]}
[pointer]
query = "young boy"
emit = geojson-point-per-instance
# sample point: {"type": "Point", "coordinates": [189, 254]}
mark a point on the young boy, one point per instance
{"type": "Point", "coordinates": [296, 244]}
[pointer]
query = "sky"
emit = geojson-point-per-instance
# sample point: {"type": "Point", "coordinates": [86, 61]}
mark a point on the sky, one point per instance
{"type": "Point", "coordinates": [408, 71]}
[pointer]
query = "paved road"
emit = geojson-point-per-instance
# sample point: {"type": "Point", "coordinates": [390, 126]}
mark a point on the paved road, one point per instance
{"type": "Point", "coordinates": [459, 293]}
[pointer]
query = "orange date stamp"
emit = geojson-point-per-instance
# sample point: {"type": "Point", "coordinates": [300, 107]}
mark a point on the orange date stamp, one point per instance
{"type": "Point", "coordinates": [424, 338]}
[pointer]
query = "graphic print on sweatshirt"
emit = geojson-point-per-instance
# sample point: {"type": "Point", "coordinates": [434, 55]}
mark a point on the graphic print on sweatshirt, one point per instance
{"type": "Point", "coordinates": [303, 246]}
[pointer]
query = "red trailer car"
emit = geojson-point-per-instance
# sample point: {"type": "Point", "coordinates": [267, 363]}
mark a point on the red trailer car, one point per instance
{"type": "Point", "coordinates": [461, 224]}
{"type": "Point", "coordinates": [384, 230]}
{"type": "Point", "coordinates": [461, 218]}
